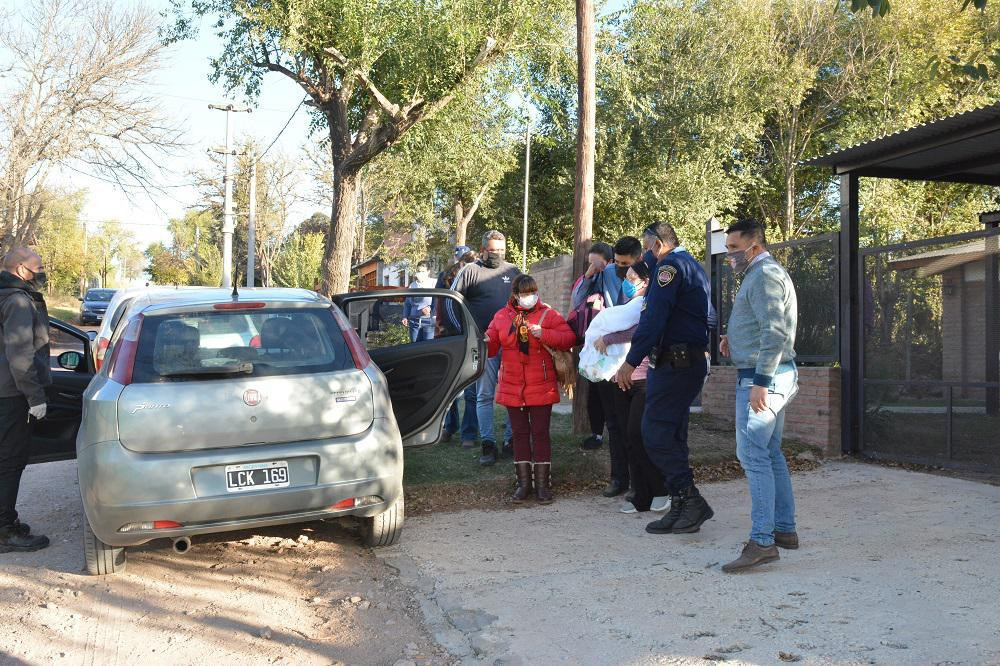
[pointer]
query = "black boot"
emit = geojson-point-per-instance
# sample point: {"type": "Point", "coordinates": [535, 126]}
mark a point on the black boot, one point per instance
{"type": "Point", "coordinates": [507, 449]}
{"type": "Point", "coordinates": [613, 489]}
{"type": "Point", "coordinates": [666, 524]}
{"type": "Point", "coordinates": [542, 491]}
{"type": "Point", "coordinates": [694, 512]}
{"type": "Point", "coordinates": [489, 456]}
{"type": "Point", "coordinates": [14, 538]}
{"type": "Point", "coordinates": [523, 470]}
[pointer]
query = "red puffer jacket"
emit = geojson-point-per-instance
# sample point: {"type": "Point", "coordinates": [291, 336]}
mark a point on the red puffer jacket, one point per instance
{"type": "Point", "coordinates": [528, 380]}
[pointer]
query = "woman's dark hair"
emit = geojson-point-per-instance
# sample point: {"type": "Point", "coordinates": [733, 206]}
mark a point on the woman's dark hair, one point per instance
{"type": "Point", "coordinates": [523, 284]}
{"type": "Point", "coordinates": [641, 269]}
{"type": "Point", "coordinates": [602, 249]}
{"type": "Point", "coordinates": [469, 257]}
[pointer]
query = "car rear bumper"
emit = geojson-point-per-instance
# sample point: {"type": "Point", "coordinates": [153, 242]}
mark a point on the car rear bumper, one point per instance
{"type": "Point", "coordinates": [120, 487]}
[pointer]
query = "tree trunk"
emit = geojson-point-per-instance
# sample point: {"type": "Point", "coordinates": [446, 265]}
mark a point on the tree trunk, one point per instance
{"type": "Point", "coordinates": [461, 223]}
{"type": "Point", "coordinates": [583, 208]}
{"type": "Point", "coordinates": [336, 274]}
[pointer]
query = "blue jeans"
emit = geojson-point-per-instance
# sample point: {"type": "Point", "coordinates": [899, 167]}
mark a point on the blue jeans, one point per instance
{"type": "Point", "coordinates": [758, 446]}
{"type": "Point", "coordinates": [469, 423]}
{"type": "Point", "coordinates": [421, 329]}
{"type": "Point", "coordinates": [486, 388]}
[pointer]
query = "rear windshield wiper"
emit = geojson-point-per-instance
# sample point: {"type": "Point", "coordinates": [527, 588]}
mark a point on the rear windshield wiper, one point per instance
{"type": "Point", "coordinates": [232, 369]}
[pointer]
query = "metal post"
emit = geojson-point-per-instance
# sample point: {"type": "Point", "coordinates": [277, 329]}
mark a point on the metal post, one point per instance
{"type": "Point", "coordinates": [991, 260]}
{"type": "Point", "coordinates": [527, 174]}
{"type": "Point", "coordinates": [252, 225]}
{"type": "Point", "coordinates": [228, 225]}
{"type": "Point", "coordinates": [851, 404]}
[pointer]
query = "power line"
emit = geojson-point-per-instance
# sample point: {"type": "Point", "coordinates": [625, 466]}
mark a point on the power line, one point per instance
{"type": "Point", "coordinates": [287, 123]}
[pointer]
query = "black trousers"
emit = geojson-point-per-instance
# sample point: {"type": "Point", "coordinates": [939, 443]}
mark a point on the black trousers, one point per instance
{"type": "Point", "coordinates": [615, 422]}
{"type": "Point", "coordinates": [647, 480]}
{"type": "Point", "coordinates": [15, 439]}
{"type": "Point", "coordinates": [595, 412]}
{"type": "Point", "coordinates": [669, 394]}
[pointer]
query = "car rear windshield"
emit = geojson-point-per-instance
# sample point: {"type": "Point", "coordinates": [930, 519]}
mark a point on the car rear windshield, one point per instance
{"type": "Point", "coordinates": [220, 345]}
{"type": "Point", "coordinates": [103, 295]}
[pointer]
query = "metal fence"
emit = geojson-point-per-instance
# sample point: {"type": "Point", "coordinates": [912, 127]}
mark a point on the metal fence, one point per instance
{"type": "Point", "coordinates": [931, 351]}
{"type": "Point", "coordinates": [814, 266]}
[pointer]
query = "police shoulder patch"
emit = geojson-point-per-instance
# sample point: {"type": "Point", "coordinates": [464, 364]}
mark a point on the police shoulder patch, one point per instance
{"type": "Point", "coordinates": [665, 274]}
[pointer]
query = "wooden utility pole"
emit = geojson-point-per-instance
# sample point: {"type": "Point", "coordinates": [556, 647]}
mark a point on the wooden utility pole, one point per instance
{"type": "Point", "coordinates": [583, 206]}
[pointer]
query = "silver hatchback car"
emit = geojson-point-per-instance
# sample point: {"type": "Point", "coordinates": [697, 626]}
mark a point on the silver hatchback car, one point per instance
{"type": "Point", "coordinates": [217, 412]}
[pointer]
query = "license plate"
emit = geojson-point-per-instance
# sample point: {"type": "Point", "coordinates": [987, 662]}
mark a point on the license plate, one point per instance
{"type": "Point", "coordinates": [256, 476]}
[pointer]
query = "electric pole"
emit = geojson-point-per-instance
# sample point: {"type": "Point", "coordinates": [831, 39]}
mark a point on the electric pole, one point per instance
{"type": "Point", "coordinates": [228, 225]}
{"type": "Point", "coordinates": [527, 175]}
{"type": "Point", "coordinates": [252, 224]}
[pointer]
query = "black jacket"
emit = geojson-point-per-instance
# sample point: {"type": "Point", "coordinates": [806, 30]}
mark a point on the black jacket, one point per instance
{"type": "Point", "coordinates": [24, 332]}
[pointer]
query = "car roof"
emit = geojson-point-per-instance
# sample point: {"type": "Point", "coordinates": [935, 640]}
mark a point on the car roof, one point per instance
{"type": "Point", "coordinates": [198, 298]}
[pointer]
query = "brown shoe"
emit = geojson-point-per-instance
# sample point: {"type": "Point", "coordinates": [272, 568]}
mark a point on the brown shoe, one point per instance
{"type": "Point", "coordinates": [523, 491]}
{"type": "Point", "coordinates": [786, 540]}
{"type": "Point", "coordinates": [753, 554]}
{"type": "Point", "coordinates": [542, 491]}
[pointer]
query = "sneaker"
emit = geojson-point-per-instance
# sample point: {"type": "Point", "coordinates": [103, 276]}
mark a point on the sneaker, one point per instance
{"type": "Point", "coordinates": [753, 555]}
{"type": "Point", "coordinates": [786, 540]}
{"type": "Point", "coordinates": [489, 456]}
{"type": "Point", "coordinates": [628, 507]}
{"type": "Point", "coordinates": [591, 443]}
{"type": "Point", "coordinates": [660, 504]}
{"type": "Point", "coordinates": [12, 539]}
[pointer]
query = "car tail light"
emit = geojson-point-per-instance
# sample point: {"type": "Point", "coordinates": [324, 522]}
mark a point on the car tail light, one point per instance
{"type": "Point", "coordinates": [356, 502]}
{"type": "Point", "coordinates": [150, 525]}
{"type": "Point", "coordinates": [102, 350]}
{"type": "Point", "coordinates": [238, 305]}
{"type": "Point", "coordinates": [358, 351]}
{"type": "Point", "coordinates": [344, 504]}
{"type": "Point", "coordinates": [123, 357]}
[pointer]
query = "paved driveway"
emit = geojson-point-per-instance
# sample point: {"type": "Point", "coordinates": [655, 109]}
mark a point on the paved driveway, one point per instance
{"type": "Point", "coordinates": [896, 568]}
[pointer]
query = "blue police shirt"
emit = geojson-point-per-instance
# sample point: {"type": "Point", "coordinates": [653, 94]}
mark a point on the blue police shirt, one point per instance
{"type": "Point", "coordinates": [678, 307]}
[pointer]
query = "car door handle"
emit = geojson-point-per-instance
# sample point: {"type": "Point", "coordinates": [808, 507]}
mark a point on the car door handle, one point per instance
{"type": "Point", "coordinates": [70, 396]}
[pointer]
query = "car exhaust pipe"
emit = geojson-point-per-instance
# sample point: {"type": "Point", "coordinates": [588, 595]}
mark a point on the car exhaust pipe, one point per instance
{"type": "Point", "coordinates": [182, 545]}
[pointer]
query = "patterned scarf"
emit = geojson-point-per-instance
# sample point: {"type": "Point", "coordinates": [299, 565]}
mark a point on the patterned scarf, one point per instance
{"type": "Point", "coordinates": [520, 325]}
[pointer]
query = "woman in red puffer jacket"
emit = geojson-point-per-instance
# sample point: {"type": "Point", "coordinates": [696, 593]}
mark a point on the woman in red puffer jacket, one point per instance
{"type": "Point", "coordinates": [527, 384]}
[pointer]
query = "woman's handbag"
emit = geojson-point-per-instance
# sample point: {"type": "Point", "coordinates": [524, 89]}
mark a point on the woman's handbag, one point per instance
{"type": "Point", "coordinates": [565, 367]}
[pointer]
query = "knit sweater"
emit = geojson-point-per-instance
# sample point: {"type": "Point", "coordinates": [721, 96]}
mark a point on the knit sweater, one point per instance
{"type": "Point", "coordinates": [761, 329]}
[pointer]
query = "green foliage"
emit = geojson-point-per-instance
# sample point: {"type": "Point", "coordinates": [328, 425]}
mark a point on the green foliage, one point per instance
{"type": "Point", "coordinates": [299, 260]}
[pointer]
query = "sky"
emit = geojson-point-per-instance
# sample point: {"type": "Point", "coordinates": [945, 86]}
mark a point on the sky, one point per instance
{"type": "Point", "coordinates": [183, 90]}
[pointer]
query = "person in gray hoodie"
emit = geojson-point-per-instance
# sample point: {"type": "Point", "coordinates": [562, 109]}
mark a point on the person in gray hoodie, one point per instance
{"type": "Point", "coordinates": [24, 374]}
{"type": "Point", "coordinates": [760, 341]}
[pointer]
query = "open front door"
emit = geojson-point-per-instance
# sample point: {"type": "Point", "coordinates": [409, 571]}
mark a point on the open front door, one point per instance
{"type": "Point", "coordinates": [427, 358]}
{"type": "Point", "coordinates": [54, 437]}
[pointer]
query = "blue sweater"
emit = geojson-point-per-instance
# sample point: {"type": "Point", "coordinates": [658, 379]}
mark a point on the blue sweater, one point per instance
{"type": "Point", "coordinates": [762, 325]}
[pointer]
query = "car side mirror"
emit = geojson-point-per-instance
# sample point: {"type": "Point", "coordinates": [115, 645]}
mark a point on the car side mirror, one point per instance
{"type": "Point", "coordinates": [70, 360]}
{"type": "Point", "coordinates": [92, 335]}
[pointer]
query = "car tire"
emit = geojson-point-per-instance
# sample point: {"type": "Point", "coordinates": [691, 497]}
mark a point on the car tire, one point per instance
{"type": "Point", "coordinates": [384, 529]}
{"type": "Point", "coordinates": [100, 558]}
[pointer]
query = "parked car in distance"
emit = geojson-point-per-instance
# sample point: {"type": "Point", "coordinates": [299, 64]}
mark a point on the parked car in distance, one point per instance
{"type": "Point", "coordinates": [94, 304]}
{"type": "Point", "coordinates": [215, 413]}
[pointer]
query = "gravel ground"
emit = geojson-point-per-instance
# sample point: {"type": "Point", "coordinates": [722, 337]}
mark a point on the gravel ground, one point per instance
{"type": "Point", "coordinates": [301, 594]}
{"type": "Point", "coordinates": [896, 567]}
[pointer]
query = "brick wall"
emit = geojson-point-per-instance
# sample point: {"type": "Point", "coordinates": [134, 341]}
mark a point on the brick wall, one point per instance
{"type": "Point", "coordinates": [555, 279]}
{"type": "Point", "coordinates": [813, 416]}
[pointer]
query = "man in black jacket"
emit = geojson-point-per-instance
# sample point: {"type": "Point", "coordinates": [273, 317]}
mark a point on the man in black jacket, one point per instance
{"type": "Point", "coordinates": [24, 374]}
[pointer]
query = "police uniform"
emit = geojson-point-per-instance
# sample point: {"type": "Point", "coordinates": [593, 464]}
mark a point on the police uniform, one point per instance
{"type": "Point", "coordinates": [674, 325]}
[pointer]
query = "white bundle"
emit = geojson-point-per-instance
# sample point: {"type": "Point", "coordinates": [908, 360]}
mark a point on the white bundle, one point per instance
{"type": "Point", "coordinates": [596, 366]}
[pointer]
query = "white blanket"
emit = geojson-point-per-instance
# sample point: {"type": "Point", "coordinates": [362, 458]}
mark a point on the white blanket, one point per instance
{"type": "Point", "coordinates": [596, 366]}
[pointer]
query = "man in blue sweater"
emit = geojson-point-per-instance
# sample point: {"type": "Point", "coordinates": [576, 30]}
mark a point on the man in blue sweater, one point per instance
{"type": "Point", "coordinates": [760, 341]}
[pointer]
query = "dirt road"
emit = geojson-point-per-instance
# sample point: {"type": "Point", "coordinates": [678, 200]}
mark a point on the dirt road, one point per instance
{"type": "Point", "coordinates": [294, 595]}
{"type": "Point", "coordinates": [896, 568]}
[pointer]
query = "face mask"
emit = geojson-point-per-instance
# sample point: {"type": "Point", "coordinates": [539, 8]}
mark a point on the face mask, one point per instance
{"type": "Point", "coordinates": [422, 275]}
{"type": "Point", "coordinates": [527, 302]}
{"type": "Point", "coordinates": [738, 260]}
{"type": "Point", "coordinates": [39, 279]}
{"type": "Point", "coordinates": [621, 271]}
{"type": "Point", "coordinates": [493, 258]}
{"type": "Point", "coordinates": [629, 289]}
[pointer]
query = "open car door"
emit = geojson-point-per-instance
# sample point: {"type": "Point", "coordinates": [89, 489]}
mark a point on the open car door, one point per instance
{"type": "Point", "coordinates": [72, 364]}
{"type": "Point", "coordinates": [427, 359]}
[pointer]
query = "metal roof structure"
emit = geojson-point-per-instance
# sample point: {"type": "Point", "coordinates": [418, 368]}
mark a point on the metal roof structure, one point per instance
{"type": "Point", "coordinates": [964, 148]}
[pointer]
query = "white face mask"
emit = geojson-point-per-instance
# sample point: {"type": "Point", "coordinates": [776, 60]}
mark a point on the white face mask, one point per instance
{"type": "Point", "coordinates": [527, 302]}
{"type": "Point", "coordinates": [422, 275]}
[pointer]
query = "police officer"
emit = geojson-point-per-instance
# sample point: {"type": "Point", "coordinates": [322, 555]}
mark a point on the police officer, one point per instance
{"type": "Point", "coordinates": [673, 332]}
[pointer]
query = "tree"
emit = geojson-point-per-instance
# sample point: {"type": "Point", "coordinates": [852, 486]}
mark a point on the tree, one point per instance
{"type": "Point", "coordinates": [112, 246]}
{"type": "Point", "coordinates": [370, 70]}
{"type": "Point", "coordinates": [59, 239]}
{"type": "Point", "coordinates": [73, 69]}
{"type": "Point", "coordinates": [166, 266]}
{"type": "Point", "coordinates": [299, 261]}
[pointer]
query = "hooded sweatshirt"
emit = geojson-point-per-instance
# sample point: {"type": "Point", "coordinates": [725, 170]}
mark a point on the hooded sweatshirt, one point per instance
{"type": "Point", "coordinates": [24, 332]}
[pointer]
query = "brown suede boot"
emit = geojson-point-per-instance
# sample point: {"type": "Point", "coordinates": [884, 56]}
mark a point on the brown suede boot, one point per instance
{"type": "Point", "coordinates": [786, 540]}
{"type": "Point", "coordinates": [523, 491]}
{"type": "Point", "coordinates": [542, 491]}
{"type": "Point", "coordinates": [753, 555]}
